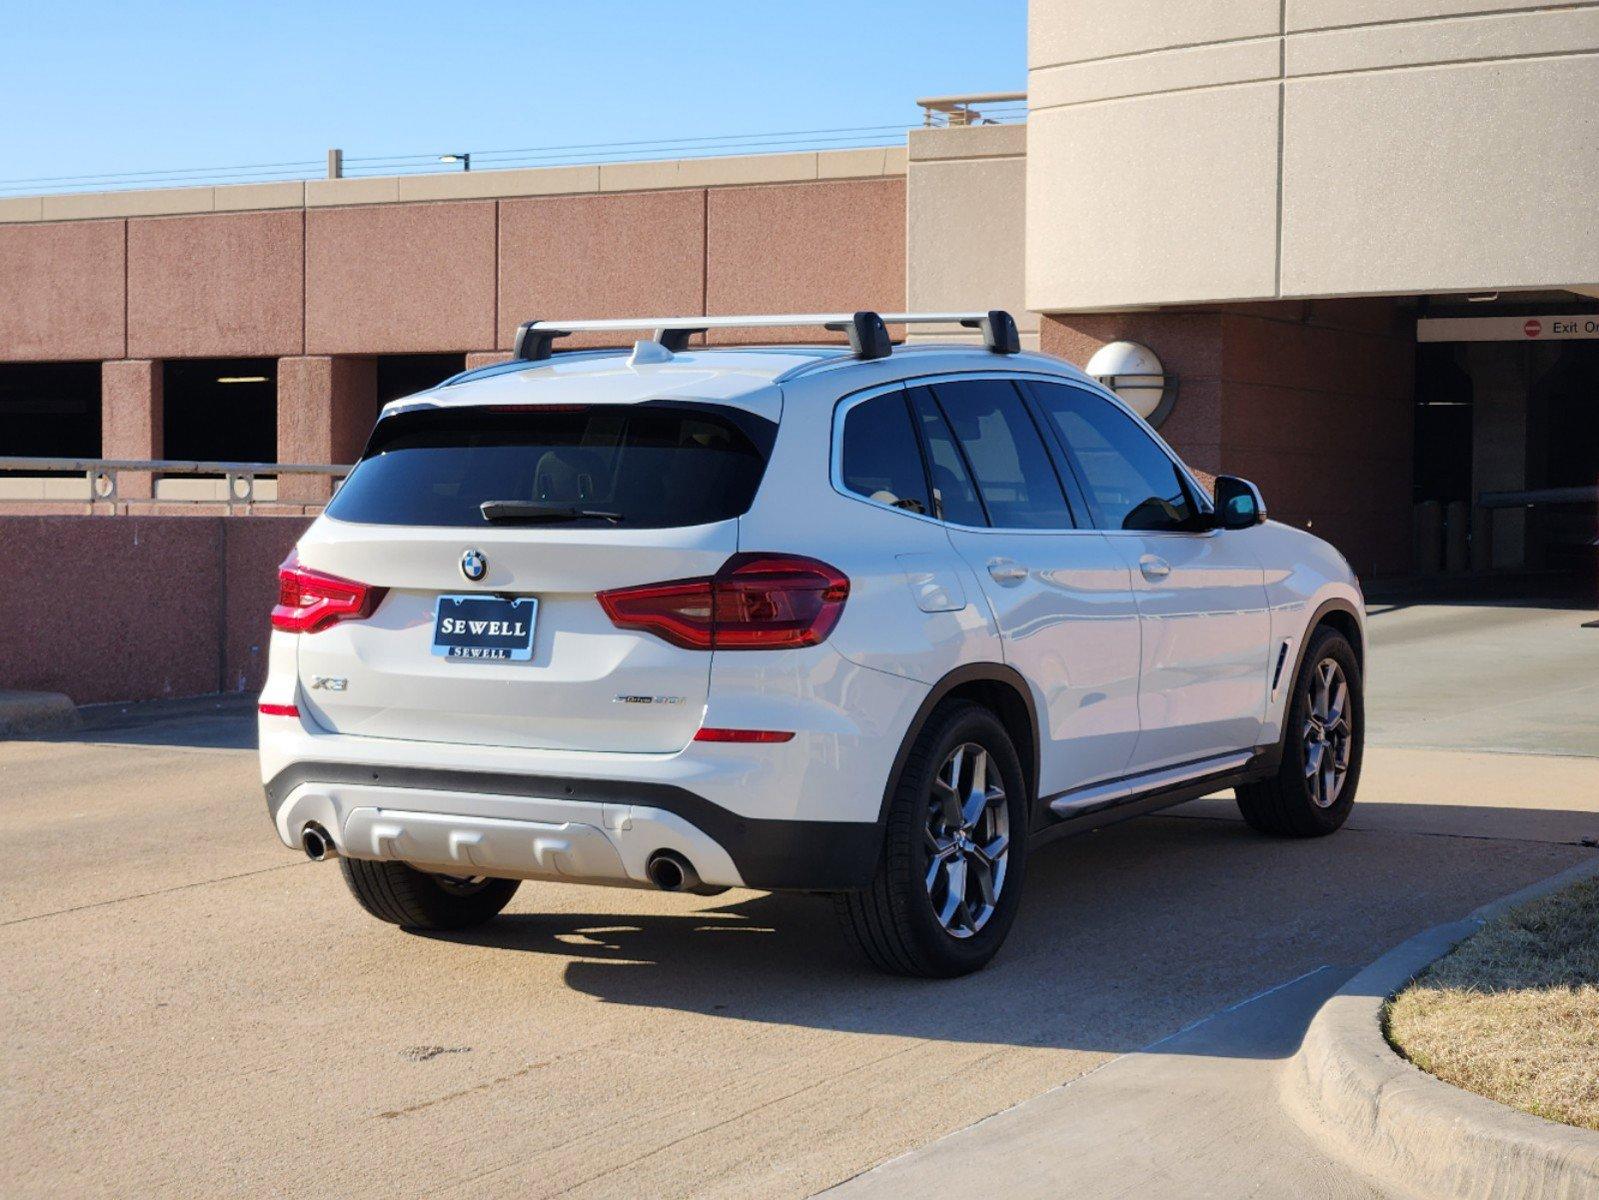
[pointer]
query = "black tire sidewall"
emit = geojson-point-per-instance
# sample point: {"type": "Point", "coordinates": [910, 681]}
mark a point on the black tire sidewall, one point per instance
{"type": "Point", "coordinates": [1327, 643]}
{"type": "Point", "coordinates": [949, 955]}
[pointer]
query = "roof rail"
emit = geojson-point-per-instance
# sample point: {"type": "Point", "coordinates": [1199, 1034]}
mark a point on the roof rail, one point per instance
{"type": "Point", "coordinates": [868, 333]}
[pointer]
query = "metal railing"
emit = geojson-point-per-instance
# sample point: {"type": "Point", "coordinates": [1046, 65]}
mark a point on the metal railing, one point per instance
{"type": "Point", "coordinates": [973, 108]}
{"type": "Point", "coordinates": [101, 475]}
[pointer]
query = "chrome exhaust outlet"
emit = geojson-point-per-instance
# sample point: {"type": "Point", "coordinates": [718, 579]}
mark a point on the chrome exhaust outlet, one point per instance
{"type": "Point", "coordinates": [316, 843]}
{"type": "Point", "coordinates": [671, 872]}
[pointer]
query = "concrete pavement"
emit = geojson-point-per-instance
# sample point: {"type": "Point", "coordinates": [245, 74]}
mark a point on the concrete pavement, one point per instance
{"type": "Point", "coordinates": [1484, 676]}
{"type": "Point", "coordinates": [191, 1010]}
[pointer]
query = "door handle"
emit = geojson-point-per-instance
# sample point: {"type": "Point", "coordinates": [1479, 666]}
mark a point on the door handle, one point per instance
{"type": "Point", "coordinates": [1154, 567]}
{"type": "Point", "coordinates": [1007, 571]}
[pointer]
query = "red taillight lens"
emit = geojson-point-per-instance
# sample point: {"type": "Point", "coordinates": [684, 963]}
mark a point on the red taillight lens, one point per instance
{"type": "Point", "coordinates": [278, 710]}
{"type": "Point", "coordinates": [755, 602]}
{"type": "Point", "coordinates": [746, 736]}
{"type": "Point", "coordinates": [309, 600]}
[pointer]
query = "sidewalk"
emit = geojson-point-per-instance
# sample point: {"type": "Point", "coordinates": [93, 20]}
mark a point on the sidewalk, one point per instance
{"type": "Point", "coordinates": [1197, 1114]}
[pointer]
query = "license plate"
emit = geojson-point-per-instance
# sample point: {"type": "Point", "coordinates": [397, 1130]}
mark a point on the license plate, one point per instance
{"type": "Point", "coordinates": [484, 627]}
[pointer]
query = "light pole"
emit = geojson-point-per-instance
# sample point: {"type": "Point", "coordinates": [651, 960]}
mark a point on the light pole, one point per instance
{"type": "Point", "coordinates": [465, 159]}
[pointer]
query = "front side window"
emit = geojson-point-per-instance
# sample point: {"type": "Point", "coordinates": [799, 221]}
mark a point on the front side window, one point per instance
{"type": "Point", "coordinates": [1006, 454]}
{"type": "Point", "coordinates": [881, 460]}
{"type": "Point", "coordinates": [1131, 482]}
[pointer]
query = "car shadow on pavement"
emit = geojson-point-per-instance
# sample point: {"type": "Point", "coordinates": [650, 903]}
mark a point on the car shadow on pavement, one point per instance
{"type": "Point", "coordinates": [1102, 956]}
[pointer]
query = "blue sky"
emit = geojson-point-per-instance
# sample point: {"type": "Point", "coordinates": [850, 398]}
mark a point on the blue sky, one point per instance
{"type": "Point", "coordinates": [99, 87]}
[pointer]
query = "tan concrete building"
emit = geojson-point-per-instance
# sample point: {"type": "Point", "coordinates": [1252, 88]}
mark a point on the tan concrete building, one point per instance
{"type": "Point", "coordinates": [1336, 222]}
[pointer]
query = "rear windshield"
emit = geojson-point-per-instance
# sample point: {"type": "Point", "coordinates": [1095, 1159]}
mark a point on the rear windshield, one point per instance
{"type": "Point", "coordinates": [651, 466]}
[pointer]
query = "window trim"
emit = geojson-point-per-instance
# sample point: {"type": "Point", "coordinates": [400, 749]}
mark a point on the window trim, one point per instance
{"type": "Point", "coordinates": [1191, 490]}
{"type": "Point", "coordinates": [1043, 440]}
{"type": "Point", "coordinates": [836, 453]}
{"type": "Point", "coordinates": [846, 402]}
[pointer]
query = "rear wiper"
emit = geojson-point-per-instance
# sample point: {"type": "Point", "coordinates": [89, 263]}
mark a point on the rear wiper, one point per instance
{"type": "Point", "coordinates": [541, 510]}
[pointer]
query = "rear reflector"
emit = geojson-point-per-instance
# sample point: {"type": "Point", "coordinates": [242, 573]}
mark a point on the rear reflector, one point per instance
{"type": "Point", "coordinates": [279, 710]}
{"type": "Point", "coordinates": [310, 600]}
{"type": "Point", "coordinates": [755, 602]}
{"type": "Point", "coordinates": [708, 734]}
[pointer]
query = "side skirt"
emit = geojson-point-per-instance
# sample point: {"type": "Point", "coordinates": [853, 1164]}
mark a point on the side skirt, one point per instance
{"type": "Point", "coordinates": [1137, 796]}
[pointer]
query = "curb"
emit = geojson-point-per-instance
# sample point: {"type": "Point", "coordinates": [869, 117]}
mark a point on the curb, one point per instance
{"type": "Point", "coordinates": [1374, 1110]}
{"type": "Point", "coordinates": [26, 714]}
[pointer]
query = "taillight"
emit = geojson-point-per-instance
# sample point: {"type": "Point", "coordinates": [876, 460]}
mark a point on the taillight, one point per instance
{"type": "Point", "coordinates": [309, 600]}
{"type": "Point", "coordinates": [755, 602]}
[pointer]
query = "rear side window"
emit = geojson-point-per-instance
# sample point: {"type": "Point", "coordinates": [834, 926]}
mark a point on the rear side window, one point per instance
{"type": "Point", "coordinates": [1131, 482]}
{"type": "Point", "coordinates": [881, 459]}
{"type": "Point", "coordinates": [652, 465]}
{"type": "Point", "coordinates": [1006, 454]}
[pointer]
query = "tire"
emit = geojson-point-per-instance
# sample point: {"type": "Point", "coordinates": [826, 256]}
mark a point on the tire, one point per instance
{"type": "Point", "coordinates": [895, 922]}
{"type": "Point", "coordinates": [1295, 801]}
{"type": "Point", "coordinates": [401, 895]}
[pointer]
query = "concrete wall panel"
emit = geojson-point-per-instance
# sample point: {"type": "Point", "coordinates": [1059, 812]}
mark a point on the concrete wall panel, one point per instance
{"type": "Point", "coordinates": [226, 284]}
{"type": "Point", "coordinates": [326, 409]}
{"type": "Point", "coordinates": [1421, 43]}
{"type": "Point", "coordinates": [61, 291]}
{"type": "Point", "coordinates": [1061, 31]}
{"type": "Point", "coordinates": [401, 278]}
{"type": "Point", "coordinates": [622, 255]}
{"type": "Point", "coordinates": [1478, 176]}
{"type": "Point", "coordinates": [1153, 200]}
{"type": "Point", "coordinates": [1423, 146]}
{"type": "Point", "coordinates": [1326, 14]}
{"type": "Point", "coordinates": [965, 226]}
{"type": "Point", "coordinates": [821, 247]}
{"type": "Point", "coordinates": [1157, 71]}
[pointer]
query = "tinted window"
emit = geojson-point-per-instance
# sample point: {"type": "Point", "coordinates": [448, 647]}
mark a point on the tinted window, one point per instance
{"type": "Point", "coordinates": [881, 459]}
{"type": "Point", "coordinates": [955, 499]}
{"type": "Point", "coordinates": [653, 465]}
{"type": "Point", "coordinates": [1131, 482]}
{"type": "Point", "coordinates": [1006, 455]}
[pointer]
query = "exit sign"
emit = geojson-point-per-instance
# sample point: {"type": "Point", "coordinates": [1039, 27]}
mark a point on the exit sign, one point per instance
{"type": "Point", "coordinates": [1508, 329]}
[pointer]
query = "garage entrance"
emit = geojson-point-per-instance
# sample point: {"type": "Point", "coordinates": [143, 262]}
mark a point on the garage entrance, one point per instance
{"type": "Point", "coordinates": [1507, 444]}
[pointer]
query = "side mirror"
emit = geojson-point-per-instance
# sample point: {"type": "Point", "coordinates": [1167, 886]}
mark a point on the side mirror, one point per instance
{"type": "Point", "coordinates": [1238, 503]}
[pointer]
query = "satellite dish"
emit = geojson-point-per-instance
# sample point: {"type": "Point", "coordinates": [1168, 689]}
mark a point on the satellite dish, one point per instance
{"type": "Point", "coordinates": [1135, 374]}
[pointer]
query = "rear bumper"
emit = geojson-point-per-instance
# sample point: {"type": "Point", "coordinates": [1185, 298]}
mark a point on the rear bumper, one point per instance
{"type": "Point", "coordinates": [544, 827]}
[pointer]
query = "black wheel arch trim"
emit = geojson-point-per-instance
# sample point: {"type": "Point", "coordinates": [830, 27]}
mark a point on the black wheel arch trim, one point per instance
{"type": "Point", "coordinates": [1358, 644]}
{"type": "Point", "coordinates": [996, 673]}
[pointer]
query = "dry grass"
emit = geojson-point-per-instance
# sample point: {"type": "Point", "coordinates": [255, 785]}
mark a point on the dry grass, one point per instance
{"type": "Point", "coordinates": [1513, 1011]}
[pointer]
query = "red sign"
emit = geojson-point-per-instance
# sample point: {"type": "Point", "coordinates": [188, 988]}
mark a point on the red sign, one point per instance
{"type": "Point", "coordinates": [1533, 327]}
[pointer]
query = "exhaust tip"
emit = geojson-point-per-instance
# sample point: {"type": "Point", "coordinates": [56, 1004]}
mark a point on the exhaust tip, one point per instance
{"type": "Point", "coordinates": [316, 843]}
{"type": "Point", "coordinates": [669, 871]}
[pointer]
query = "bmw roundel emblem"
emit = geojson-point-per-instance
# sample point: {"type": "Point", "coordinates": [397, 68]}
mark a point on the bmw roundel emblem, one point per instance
{"type": "Point", "coordinates": [474, 565]}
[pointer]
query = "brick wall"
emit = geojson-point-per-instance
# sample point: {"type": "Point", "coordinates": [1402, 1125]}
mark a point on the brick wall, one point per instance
{"type": "Point", "coordinates": [1311, 400]}
{"type": "Point", "coordinates": [136, 607]}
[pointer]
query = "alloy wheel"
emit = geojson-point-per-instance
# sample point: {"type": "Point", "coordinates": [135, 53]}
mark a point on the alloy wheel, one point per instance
{"type": "Point", "coordinates": [1328, 734]}
{"type": "Point", "coordinates": [968, 840]}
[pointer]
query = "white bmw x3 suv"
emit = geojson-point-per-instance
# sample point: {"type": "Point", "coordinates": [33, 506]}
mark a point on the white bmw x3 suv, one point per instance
{"type": "Point", "coordinates": [872, 621]}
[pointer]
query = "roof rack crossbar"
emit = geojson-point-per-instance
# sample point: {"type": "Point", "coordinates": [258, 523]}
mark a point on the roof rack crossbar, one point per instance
{"type": "Point", "coordinates": [867, 330]}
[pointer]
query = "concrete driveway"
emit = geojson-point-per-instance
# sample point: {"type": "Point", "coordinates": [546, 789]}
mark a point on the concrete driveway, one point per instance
{"type": "Point", "coordinates": [190, 1010]}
